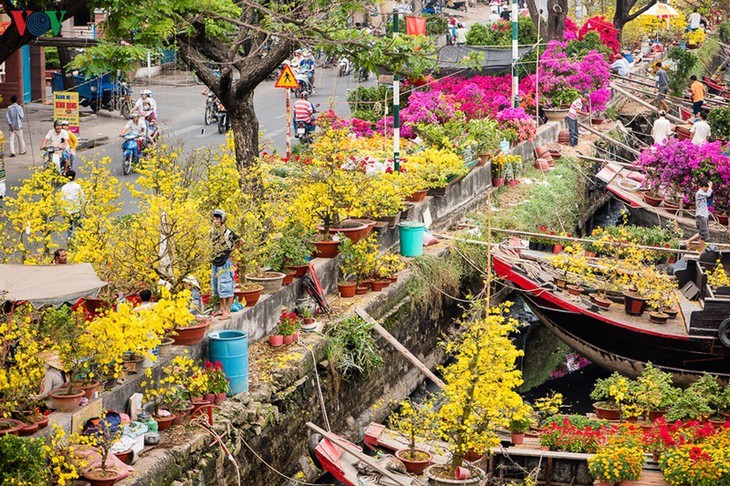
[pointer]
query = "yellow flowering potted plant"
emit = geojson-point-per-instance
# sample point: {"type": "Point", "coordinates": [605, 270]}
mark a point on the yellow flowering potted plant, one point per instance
{"type": "Point", "coordinates": [163, 393]}
{"type": "Point", "coordinates": [614, 463]}
{"type": "Point", "coordinates": [417, 423]}
{"type": "Point", "coordinates": [609, 394]}
{"type": "Point", "coordinates": [436, 168]}
{"type": "Point", "coordinates": [106, 435]}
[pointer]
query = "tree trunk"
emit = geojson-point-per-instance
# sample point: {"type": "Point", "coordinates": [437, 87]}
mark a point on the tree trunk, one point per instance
{"type": "Point", "coordinates": [245, 127]}
{"type": "Point", "coordinates": [64, 58]}
{"type": "Point", "coordinates": [557, 12]}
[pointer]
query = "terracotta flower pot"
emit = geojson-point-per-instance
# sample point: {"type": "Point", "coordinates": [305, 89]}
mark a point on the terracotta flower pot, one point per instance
{"type": "Point", "coordinates": [190, 335]}
{"type": "Point", "coordinates": [658, 317]}
{"type": "Point", "coordinates": [497, 181]}
{"type": "Point", "coordinates": [42, 422]}
{"type": "Point", "coordinates": [270, 281]}
{"type": "Point", "coordinates": [652, 200]}
{"type": "Point", "coordinates": [362, 289]}
{"type": "Point", "coordinates": [575, 289]}
{"type": "Point", "coordinates": [542, 164]}
{"type": "Point", "coordinates": [90, 388]}
{"type": "Point", "coordinates": [655, 414]}
{"type": "Point", "coordinates": [353, 229]}
{"type": "Point", "coordinates": [289, 277]}
{"type": "Point", "coordinates": [377, 285]}
{"type": "Point", "coordinates": [516, 438]}
{"type": "Point", "coordinates": [209, 397]}
{"type": "Point", "coordinates": [125, 456]}
{"type": "Point", "coordinates": [64, 402]}
{"type": "Point", "coordinates": [417, 196]}
{"type": "Point", "coordinates": [276, 340]}
{"type": "Point", "coordinates": [601, 302]}
{"type": "Point", "coordinates": [326, 249]}
{"type": "Point", "coordinates": [557, 248]}
{"type": "Point", "coordinates": [164, 423]}
{"type": "Point", "coordinates": [513, 182]}
{"type": "Point", "coordinates": [299, 270]}
{"type": "Point", "coordinates": [414, 466]}
{"type": "Point", "coordinates": [165, 346]}
{"type": "Point", "coordinates": [97, 477]}
{"type": "Point", "coordinates": [219, 397]}
{"type": "Point", "coordinates": [604, 411]}
{"type": "Point", "coordinates": [28, 429]}
{"type": "Point", "coordinates": [249, 294]}
{"type": "Point", "coordinates": [197, 405]}
{"type": "Point", "coordinates": [347, 290]}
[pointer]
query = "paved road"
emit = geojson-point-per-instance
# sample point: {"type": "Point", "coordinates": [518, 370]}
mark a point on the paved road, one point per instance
{"type": "Point", "coordinates": [181, 104]}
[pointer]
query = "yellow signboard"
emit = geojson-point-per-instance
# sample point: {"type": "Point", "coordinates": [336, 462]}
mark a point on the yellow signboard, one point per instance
{"type": "Point", "coordinates": [286, 79]}
{"type": "Point", "coordinates": [66, 107]}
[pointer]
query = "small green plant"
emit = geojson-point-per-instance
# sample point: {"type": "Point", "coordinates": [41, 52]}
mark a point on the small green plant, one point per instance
{"type": "Point", "coordinates": [292, 246]}
{"type": "Point", "coordinates": [519, 426]}
{"type": "Point", "coordinates": [417, 422]}
{"type": "Point", "coordinates": [698, 401]}
{"type": "Point", "coordinates": [23, 461]}
{"type": "Point", "coordinates": [684, 63]}
{"type": "Point", "coordinates": [719, 120]}
{"type": "Point", "coordinates": [563, 98]}
{"type": "Point", "coordinates": [614, 390]}
{"type": "Point", "coordinates": [351, 348]}
{"type": "Point", "coordinates": [288, 323]}
{"type": "Point", "coordinates": [654, 389]}
{"type": "Point", "coordinates": [547, 407]}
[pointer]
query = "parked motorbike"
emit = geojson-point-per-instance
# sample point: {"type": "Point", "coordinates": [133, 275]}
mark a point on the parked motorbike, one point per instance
{"type": "Point", "coordinates": [211, 109]}
{"type": "Point", "coordinates": [344, 67]}
{"type": "Point", "coordinates": [224, 121]}
{"type": "Point", "coordinates": [130, 153]}
{"type": "Point", "coordinates": [304, 133]}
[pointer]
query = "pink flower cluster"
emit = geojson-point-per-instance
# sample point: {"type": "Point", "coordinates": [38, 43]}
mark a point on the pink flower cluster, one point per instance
{"type": "Point", "coordinates": [679, 166]}
{"type": "Point", "coordinates": [518, 120]}
{"type": "Point", "coordinates": [605, 29]}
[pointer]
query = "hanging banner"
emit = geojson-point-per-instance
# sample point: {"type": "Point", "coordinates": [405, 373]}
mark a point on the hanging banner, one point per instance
{"type": "Point", "coordinates": [66, 107]}
{"type": "Point", "coordinates": [415, 25]}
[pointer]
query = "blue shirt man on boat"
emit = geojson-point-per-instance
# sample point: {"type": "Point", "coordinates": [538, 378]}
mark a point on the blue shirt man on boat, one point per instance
{"type": "Point", "coordinates": [702, 214]}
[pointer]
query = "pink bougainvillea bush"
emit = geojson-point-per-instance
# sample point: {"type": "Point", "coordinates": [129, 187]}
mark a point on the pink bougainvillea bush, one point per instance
{"type": "Point", "coordinates": [679, 166]}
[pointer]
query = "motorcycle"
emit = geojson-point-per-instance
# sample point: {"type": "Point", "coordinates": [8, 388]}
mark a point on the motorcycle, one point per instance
{"type": "Point", "coordinates": [344, 67]}
{"type": "Point", "coordinates": [362, 75]}
{"type": "Point", "coordinates": [224, 122]}
{"type": "Point", "coordinates": [304, 84]}
{"type": "Point", "coordinates": [304, 133]}
{"type": "Point", "coordinates": [211, 109]}
{"type": "Point", "coordinates": [58, 159]}
{"type": "Point", "coordinates": [130, 152]}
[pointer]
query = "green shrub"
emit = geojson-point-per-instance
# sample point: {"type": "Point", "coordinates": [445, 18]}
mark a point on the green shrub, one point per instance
{"type": "Point", "coordinates": [23, 461]}
{"type": "Point", "coordinates": [370, 103]}
{"type": "Point", "coordinates": [351, 348]}
{"type": "Point", "coordinates": [723, 32]}
{"type": "Point", "coordinates": [500, 33]}
{"type": "Point", "coordinates": [591, 42]}
{"type": "Point", "coordinates": [719, 120]}
{"type": "Point", "coordinates": [684, 63]}
{"type": "Point", "coordinates": [435, 25]}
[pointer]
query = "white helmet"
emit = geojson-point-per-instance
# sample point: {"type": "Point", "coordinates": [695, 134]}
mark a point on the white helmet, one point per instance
{"type": "Point", "coordinates": [219, 213]}
{"type": "Point", "coordinates": [146, 92]}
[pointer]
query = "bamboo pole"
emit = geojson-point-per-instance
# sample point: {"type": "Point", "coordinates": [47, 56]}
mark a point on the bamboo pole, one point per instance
{"type": "Point", "coordinates": [573, 239]}
{"type": "Point", "coordinates": [644, 103]}
{"type": "Point", "coordinates": [359, 455]}
{"type": "Point", "coordinates": [397, 345]}
{"type": "Point", "coordinates": [676, 100]}
{"type": "Point", "coordinates": [607, 161]}
{"type": "Point", "coordinates": [609, 139]}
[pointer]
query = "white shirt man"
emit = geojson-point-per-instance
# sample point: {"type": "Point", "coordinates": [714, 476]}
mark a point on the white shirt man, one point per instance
{"type": "Point", "coordinates": [622, 66]}
{"type": "Point", "coordinates": [137, 126]}
{"type": "Point", "coordinates": [694, 20]}
{"type": "Point", "coordinates": [701, 130]}
{"type": "Point", "coordinates": [461, 35]}
{"type": "Point", "coordinates": [56, 137]}
{"type": "Point", "coordinates": [72, 196]}
{"type": "Point", "coordinates": [139, 105]}
{"type": "Point", "coordinates": [661, 129]}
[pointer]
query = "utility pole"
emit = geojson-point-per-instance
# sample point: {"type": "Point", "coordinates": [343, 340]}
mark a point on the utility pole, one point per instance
{"type": "Point", "coordinates": [515, 54]}
{"type": "Point", "coordinates": [396, 100]}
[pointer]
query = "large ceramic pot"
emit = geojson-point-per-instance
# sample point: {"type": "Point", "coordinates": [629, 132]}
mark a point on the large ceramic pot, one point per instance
{"type": "Point", "coordinates": [326, 249]}
{"type": "Point", "coordinates": [652, 200]}
{"type": "Point", "coordinates": [414, 466]}
{"type": "Point", "coordinates": [90, 388]}
{"type": "Point", "coordinates": [190, 335]}
{"type": "Point", "coordinates": [634, 304]}
{"type": "Point", "coordinates": [164, 423]}
{"type": "Point", "coordinates": [10, 426]}
{"type": "Point", "coordinates": [355, 229]}
{"type": "Point", "coordinates": [603, 411]}
{"type": "Point", "coordinates": [97, 477]}
{"type": "Point", "coordinates": [65, 402]}
{"type": "Point", "coordinates": [555, 114]}
{"type": "Point", "coordinates": [250, 293]}
{"type": "Point", "coordinates": [271, 281]}
{"type": "Point", "coordinates": [299, 270]}
{"type": "Point", "coordinates": [347, 289]}
{"type": "Point", "coordinates": [434, 479]}
{"type": "Point", "coordinates": [417, 196]}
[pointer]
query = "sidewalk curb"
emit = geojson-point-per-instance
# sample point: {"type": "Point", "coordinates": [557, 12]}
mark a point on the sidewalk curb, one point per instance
{"type": "Point", "coordinates": [92, 142]}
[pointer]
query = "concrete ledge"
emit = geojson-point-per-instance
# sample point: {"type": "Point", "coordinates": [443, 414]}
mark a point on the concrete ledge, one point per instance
{"type": "Point", "coordinates": [87, 143]}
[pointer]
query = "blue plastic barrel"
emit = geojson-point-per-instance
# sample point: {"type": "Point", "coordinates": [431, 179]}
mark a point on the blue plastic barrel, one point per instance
{"type": "Point", "coordinates": [411, 238]}
{"type": "Point", "coordinates": [231, 349]}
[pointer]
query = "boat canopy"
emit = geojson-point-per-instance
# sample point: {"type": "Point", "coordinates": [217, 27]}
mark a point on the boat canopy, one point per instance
{"type": "Point", "coordinates": [48, 284]}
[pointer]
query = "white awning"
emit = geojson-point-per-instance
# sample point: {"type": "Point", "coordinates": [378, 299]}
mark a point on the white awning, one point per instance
{"type": "Point", "coordinates": [48, 284]}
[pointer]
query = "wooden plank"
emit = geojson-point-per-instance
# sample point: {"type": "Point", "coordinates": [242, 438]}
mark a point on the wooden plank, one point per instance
{"type": "Point", "coordinates": [645, 104]}
{"type": "Point", "coordinates": [397, 345]}
{"type": "Point", "coordinates": [609, 139]}
{"type": "Point", "coordinates": [359, 455]}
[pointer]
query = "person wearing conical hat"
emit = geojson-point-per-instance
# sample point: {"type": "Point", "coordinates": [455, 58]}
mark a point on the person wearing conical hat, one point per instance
{"type": "Point", "coordinates": [55, 377]}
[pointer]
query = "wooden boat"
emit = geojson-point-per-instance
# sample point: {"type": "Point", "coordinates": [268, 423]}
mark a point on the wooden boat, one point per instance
{"type": "Point", "coordinates": [623, 183]}
{"type": "Point", "coordinates": [687, 346]}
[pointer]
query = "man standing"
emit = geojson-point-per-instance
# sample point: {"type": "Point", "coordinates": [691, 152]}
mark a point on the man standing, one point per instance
{"type": "Point", "coordinates": [461, 35]}
{"type": "Point", "coordinates": [661, 129]}
{"type": "Point", "coordinates": [72, 196]}
{"type": "Point", "coordinates": [698, 94]}
{"type": "Point", "coordinates": [576, 110]}
{"type": "Point", "coordinates": [702, 214]}
{"type": "Point", "coordinates": [662, 86]}
{"type": "Point", "coordinates": [694, 20]}
{"type": "Point", "coordinates": [701, 130]}
{"type": "Point", "coordinates": [14, 116]}
{"type": "Point", "coordinates": [224, 241]}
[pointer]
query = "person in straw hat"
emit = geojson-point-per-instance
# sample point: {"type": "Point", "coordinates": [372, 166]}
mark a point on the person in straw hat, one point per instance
{"type": "Point", "coordinates": [55, 377]}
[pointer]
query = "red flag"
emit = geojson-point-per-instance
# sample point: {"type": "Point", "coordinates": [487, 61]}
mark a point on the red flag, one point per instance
{"type": "Point", "coordinates": [415, 25]}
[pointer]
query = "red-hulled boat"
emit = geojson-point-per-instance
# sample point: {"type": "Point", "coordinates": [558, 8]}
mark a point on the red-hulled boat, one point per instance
{"type": "Point", "coordinates": [687, 346]}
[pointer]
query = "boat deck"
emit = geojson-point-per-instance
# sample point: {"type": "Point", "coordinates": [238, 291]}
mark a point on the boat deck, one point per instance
{"type": "Point", "coordinates": [674, 327]}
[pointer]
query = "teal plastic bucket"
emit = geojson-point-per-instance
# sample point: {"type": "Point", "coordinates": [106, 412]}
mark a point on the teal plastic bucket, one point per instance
{"type": "Point", "coordinates": [411, 238]}
{"type": "Point", "coordinates": [231, 349]}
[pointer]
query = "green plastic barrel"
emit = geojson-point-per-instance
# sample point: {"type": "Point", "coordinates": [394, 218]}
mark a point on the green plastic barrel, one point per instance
{"type": "Point", "coordinates": [231, 349]}
{"type": "Point", "coordinates": [411, 238]}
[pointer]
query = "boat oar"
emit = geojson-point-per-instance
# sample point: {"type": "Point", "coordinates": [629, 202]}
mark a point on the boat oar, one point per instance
{"type": "Point", "coordinates": [336, 440]}
{"type": "Point", "coordinates": [397, 345]}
